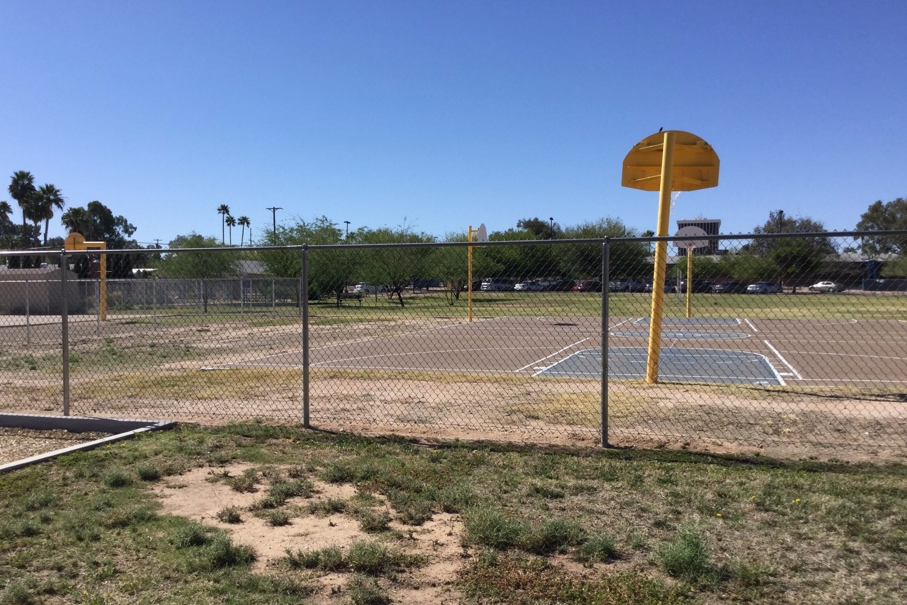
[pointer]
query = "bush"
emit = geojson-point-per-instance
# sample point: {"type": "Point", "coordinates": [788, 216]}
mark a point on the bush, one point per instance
{"type": "Point", "coordinates": [687, 557]}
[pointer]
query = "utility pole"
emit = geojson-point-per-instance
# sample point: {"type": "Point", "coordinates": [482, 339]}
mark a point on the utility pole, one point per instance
{"type": "Point", "coordinates": [347, 229]}
{"type": "Point", "coordinates": [781, 221]}
{"type": "Point", "coordinates": [274, 210]}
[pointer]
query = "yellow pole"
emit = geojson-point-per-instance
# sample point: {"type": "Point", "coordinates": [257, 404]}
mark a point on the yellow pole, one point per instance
{"type": "Point", "coordinates": [689, 282]}
{"type": "Point", "coordinates": [103, 297]}
{"type": "Point", "coordinates": [469, 277]}
{"type": "Point", "coordinates": [661, 253]}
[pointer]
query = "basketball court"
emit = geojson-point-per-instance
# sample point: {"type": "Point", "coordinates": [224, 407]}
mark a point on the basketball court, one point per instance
{"type": "Point", "coordinates": [698, 350]}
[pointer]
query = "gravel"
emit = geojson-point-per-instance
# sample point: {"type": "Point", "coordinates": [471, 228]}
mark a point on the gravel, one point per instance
{"type": "Point", "coordinates": [17, 444]}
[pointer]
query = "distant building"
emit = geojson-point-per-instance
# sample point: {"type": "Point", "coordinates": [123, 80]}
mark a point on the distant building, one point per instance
{"type": "Point", "coordinates": [712, 226]}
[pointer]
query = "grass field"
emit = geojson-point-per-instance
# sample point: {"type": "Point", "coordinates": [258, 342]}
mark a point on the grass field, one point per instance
{"type": "Point", "coordinates": [802, 305]}
{"type": "Point", "coordinates": [526, 525]}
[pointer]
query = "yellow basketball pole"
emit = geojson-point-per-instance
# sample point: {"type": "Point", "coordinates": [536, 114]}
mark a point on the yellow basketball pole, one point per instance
{"type": "Point", "coordinates": [469, 277]}
{"type": "Point", "coordinates": [689, 282]}
{"type": "Point", "coordinates": [75, 241]}
{"type": "Point", "coordinates": [661, 253]}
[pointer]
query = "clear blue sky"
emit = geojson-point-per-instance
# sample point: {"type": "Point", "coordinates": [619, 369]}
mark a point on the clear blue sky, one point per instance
{"type": "Point", "coordinates": [442, 114]}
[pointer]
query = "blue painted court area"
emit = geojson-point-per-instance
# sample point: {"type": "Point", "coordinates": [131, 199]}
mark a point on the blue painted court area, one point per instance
{"type": "Point", "coordinates": [684, 335]}
{"type": "Point", "coordinates": [675, 365]}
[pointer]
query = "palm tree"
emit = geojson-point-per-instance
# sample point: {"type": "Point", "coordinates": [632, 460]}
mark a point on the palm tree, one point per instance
{"type": "Point", "coordinates": [243, 221]}
{"type": "Point", "coordinates": [223, 210]}
{"type": "Point", "coordinates": [47, 198]}
{"type": "Point", "coordinates": [231, 222]}
{"type": "Point", "coordinates": [22, 188]}
{"type": "Point", "coordinates": [5, 211]}
{"type": "Point", "coordinates": [78, 220]}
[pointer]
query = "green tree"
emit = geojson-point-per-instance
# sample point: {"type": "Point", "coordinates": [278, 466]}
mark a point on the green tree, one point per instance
{"type": "Point", "coordinates": [896, 267]}
{"type": "Point", "coordinates": [231, 222]}
{"type": "Point", "coordinates": [796, 255]}
{"type": "Point", "coordinates": [6, 224]}
{"type": "Point", "coordinates": [244, 222]}
{"type": "Point", "coordinates": [202, 266]}
{"type": "Point", "coordinates": [516, 261]}
{"type": "Point", "coordinates": [748, 267]}
{"type": "Point", "coordinates": [397, 266]}
{"type": "Point", "coordinates": [223, 210]}
{"type": "Point", "coordinates": [450, 265]}
{"type": "Point", "coordinates": [329, 270]}
{"type": "Point", "coordinates": [47, 198]}
{"type": "Point", "coordinates": [584, 261]}
{"type": "Point", "coordinates": [541, 228]}
{"type": "Point", "coordinates": [779, 222]}
{"type": "Point", "coordinates": [887, 216]}
{"type": "Point", "coordinates": [96, 222]}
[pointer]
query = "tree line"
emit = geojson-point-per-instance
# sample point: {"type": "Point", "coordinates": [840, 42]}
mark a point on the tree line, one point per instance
{"type": "Point", "coordinates": [95, 221]}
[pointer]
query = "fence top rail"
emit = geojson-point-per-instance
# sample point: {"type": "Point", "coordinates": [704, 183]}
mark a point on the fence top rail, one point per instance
{"type": "Point", "coordinates": [540, 242]}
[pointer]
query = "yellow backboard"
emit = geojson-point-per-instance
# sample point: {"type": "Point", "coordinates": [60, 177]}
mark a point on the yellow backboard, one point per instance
{"type": "Point", "coordinates": [74, 241]}
{"type": "Point", "coordinates": [695, 163]}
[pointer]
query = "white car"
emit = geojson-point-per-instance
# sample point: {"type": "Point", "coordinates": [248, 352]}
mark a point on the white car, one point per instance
{"type": "Point", "coordinates": [366, 288]}
{"type": "Point", "coordinates": [533, 285]}
{"type": "Point", "coordinates": [826, 286]}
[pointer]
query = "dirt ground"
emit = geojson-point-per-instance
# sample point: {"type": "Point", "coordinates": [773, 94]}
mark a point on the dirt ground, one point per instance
{"type": "Point", "coordinates": [129, 369]}
{"type": "Point", "coordinates": [194, 496]}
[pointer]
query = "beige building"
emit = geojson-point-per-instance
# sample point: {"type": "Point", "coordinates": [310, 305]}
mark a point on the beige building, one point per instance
{"type": "Point", "coordinates": [38, 291]}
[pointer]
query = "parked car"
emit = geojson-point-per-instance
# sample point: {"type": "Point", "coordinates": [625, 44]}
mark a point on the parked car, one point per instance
{"type": "Point", "coordinates": [729, 287]}
{"type": "Point", "coordinates": [497, 284]}
{"type": "Point", "coordinates": [626, 285]}
{"type": "Point", "coordinates": [367, 288]}
{"type": "Point", "coordinates": [532, 285]}
{"type": "Point", "coordinates": [826, 286]}
{"type": "Point", "coordinates": [588, 285]}
{"type": "Point", "coordinates": [763, 287]}
{"type": "Point", "coordinates": [699, 285]}
{"type": "Point", "coordinates": [561, 285]}
{"type": "Point", "coordinates": [670, 286]}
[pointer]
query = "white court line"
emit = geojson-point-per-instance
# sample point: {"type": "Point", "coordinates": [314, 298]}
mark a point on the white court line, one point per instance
{"type": "Point", "coordinates": [784, 361]}
{"type": "Point", "coordinates": [620, 323]}
{"type": "Point", "coordinates": [552, 355]}
{"type": "Point", "coordinates": [750, 324]}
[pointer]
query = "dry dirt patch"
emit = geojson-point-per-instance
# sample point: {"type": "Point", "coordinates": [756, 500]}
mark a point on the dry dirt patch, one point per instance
{"type": "Point", "coordinates": [195, 495]}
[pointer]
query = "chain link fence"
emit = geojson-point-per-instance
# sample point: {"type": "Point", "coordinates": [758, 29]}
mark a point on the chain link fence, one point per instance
{"type": "Point", "coordinates": [787, 341]}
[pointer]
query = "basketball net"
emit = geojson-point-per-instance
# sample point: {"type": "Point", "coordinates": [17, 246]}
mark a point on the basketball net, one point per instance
{"type": "Point", "coordinates": [674, 196]}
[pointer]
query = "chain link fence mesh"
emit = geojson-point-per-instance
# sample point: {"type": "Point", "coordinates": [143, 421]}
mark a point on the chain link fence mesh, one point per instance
{"type": "Point", "coordinates": [792, 341]}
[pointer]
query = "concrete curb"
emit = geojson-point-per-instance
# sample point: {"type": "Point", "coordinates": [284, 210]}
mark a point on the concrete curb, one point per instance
{"type": "Point", "coordinates": [121, 429]}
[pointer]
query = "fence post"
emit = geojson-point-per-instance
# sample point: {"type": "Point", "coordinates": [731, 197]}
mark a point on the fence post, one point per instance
{"type": "Point", "coordinates": [27, 316]}
{"type": "Point", "coordinates": [64, 329]}
{"type": "Point", "coordinates": [304, 299]}
{"type": "Point", "coordinates": [606, 270]}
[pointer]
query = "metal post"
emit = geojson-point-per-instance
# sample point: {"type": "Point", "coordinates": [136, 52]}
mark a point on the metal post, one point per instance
{"type": "Point", "coordinates": [273, 295]}
{"type": "Point", "coordinates": [154, 301]}
{"type": "Point", "coordinates": [27, 316]}
{"type": "Point", "coordinates": [689, 282]}
{"type": "Point", "coordinates": [606, 290]}
{"type": "Point", "coordinates": [64, 329]}
{"type": "Point", "coordinates": [469, 276]}
{"type": "Point", "coordinates": [304, 294]}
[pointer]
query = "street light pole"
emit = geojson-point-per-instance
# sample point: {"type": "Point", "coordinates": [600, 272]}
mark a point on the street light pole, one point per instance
{"type": "Point", "coordinates": [551, 225]}
{"type": "Point", "coordinates": [274, 210]}
{"type": "Point", "coordinates": [347, 229]}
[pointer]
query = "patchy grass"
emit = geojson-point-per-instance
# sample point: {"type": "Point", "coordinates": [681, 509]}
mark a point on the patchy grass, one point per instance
{"type": "Point", "coordinates": [541, 525]}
